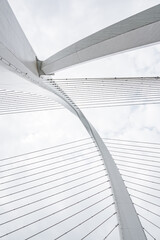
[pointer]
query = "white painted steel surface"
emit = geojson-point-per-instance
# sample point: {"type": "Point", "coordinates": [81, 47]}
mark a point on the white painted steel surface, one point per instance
{"type": "Point", "coordinates": [13, 42]}
{"type": "Point", "coordinates": [138, 30]}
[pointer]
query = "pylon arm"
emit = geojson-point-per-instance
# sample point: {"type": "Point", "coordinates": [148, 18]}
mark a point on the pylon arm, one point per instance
{"type": "Point", "coordinates": [135, 31]}
{"type": "Point", "coordinates": [13, 42]}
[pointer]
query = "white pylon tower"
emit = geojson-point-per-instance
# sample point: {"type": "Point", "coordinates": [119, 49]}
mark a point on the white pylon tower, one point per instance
{"type": "Point", "coordinates": [17, 55]}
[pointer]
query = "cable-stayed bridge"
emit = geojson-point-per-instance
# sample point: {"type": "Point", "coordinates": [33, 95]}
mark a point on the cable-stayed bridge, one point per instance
{"type": "Point", "coordinates": [91, 188]}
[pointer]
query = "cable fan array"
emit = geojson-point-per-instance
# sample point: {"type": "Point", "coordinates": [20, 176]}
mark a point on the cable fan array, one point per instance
{"type": "Point", "coordinates": [60, 191]}
{"type": "Point", "coordinates": [139, 165]}
{"type": "Point", "coordinates": [64, 191]}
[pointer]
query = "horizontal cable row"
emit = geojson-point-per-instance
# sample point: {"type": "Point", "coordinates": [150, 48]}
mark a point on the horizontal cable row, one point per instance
{"type": "Point", "coordinates": [84, 93]}
{"type": "Point", "coordinates": [12, 101]}
{"type": "Point", "coordinates": [93, 93]}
